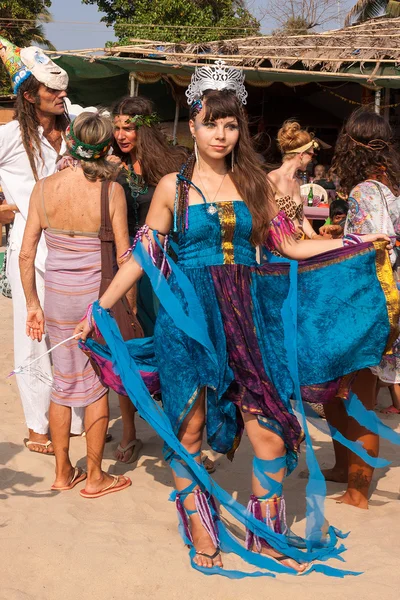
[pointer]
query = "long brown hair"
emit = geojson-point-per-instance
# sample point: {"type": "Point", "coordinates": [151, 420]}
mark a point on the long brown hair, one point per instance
{"type": "Point", "coordinates": [25, 113]}
{"type": "Point", "coordinates": [248, 175]}
{"type": "Point", "coordinates": [365, 150]}
{"type": "Point", "coordinates": [155, 155]}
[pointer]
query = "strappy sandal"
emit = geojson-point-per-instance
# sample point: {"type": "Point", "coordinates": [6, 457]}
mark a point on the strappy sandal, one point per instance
{"type": "Point", "coordinates": [277, 524]}
{"type": "Point", "coordinates": [210, 556]}
{"type": "Point", "coordinates": [45, 445]}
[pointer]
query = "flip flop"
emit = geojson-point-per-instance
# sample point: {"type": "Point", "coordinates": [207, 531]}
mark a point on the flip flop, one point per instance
{"type": "Point", "coordinates": [115, 486]}
{"type": "Point", "coordinates": [78, 476]}
{"type": "Point", "coordinates": [28, 443]}
{"type": "Point", "coordinates": [137, 445]}
{"type": "Point", "coordinates": [208, 464]}
{"type": "Point", "coordinates": [390, 410]}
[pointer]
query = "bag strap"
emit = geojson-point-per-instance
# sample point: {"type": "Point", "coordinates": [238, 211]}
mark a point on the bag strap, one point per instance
{"type": "Point", "coordinates": [106, 233]}
{"type": "Point", "coordinates": [106, 237]}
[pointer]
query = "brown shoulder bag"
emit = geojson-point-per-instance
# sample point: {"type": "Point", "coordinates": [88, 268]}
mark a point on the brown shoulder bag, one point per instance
{"type": "Point", "coordinates": [127, 321]}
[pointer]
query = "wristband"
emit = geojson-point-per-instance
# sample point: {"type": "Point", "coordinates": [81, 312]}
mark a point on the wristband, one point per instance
{"type": "Point", "coordinates": [351, 239]}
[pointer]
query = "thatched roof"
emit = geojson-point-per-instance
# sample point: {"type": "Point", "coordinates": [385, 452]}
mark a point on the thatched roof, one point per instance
{"type": "Point", "coordinates": [376, 42]}
{"type": "Point", "coordinates": [367, 54]}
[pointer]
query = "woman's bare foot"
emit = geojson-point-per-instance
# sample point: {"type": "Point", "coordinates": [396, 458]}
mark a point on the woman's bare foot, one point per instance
{"type": "Point", "coordinates": [38, 442]}
{"type": "Point", "coordinates": [287, 562]}
{"type": "Point", "coordinates": [203, 545]}
{"type": "Point", "coordinates": [354, 499]}
{"type": "Point", "coordinates": [335, 474]}
{"type": "Point", "coordinates": [64, 476]}
{"type": "Point", "coordinates": [128, 453]}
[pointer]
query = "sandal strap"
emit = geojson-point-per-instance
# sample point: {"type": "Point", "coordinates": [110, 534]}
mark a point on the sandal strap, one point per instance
{"type": "Point", "coordinates": [43, 444]}
{"type": "Point", "coordinates": [211, 556]}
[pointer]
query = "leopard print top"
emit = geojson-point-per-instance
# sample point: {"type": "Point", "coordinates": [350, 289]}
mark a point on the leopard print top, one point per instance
{"type": "Point", "coordinates": [293, 211]}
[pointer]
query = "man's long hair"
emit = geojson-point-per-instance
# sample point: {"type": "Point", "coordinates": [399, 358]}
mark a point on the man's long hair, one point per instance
{"type": "Point", "coordinates": [26, 115]}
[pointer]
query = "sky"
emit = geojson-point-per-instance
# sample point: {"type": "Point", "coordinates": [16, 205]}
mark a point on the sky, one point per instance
{"type": "Point", "coordinates": [77, 26]}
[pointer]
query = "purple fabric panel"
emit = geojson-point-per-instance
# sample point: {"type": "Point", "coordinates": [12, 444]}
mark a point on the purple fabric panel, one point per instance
{"type": "Point", "coordinates": [252, 391]}
{"type": "Point", "coordinates": [321, 393]}
{"type": "Point", "coordinates": [72, 281]}
{"type": "Point", "coordinates": [110, 379]}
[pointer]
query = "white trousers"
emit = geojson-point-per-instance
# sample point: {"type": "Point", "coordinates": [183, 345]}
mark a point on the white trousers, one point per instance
{"type": "Point", "coordinates": [35, 393]}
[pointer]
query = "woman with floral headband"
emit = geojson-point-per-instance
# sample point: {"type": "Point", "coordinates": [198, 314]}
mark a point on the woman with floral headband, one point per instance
{"type": "Point", "coordinates": [67, 207]}
{"type": "Point", "coordinates": [368, 165]}
{"type": "Point", "coordinates": [223, 353]}
{"type": "Point", "coordinates": [146, 157]}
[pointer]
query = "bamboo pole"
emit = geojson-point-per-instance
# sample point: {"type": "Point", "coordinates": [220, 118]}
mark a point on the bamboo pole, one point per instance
{"type": "Point", "coordinates": [377, 103]}
{"type": "Point", "coordinates": [240, 57]}
{"type": "Point", "coordinates": [323, 74]}
{"type": "Point", "coordinates": [176, 121]}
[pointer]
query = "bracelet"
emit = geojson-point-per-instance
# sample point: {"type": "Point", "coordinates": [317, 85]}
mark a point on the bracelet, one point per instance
{"type": "Point", "coordinates": [91, 322]}
{"type": "Point", "coordinates": [351, 239]}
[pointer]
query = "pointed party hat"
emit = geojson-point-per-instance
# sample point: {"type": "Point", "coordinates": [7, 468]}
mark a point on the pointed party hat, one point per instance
{"type": "Point", "coordinates": [11, 57]}
{"type": "Point", "coordinates": [21, 63]}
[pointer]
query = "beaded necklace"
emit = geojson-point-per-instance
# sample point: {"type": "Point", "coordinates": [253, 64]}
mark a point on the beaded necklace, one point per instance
{"type": "Point", "coordinates": [137, 187]}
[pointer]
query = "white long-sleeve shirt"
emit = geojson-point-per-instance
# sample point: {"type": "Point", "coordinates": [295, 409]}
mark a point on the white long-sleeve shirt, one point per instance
{"type": "Point", "coordinates": [17, 180]}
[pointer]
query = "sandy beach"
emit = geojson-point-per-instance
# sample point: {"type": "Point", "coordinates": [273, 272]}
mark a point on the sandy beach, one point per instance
{"type": "Point", "coordinates": [58, 546]}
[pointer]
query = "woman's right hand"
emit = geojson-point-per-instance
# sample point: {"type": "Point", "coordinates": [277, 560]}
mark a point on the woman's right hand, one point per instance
{"type": "Point", "coordinates": [83, 329]}
{"type": "Point", "coordinates": [35, 323]}
{"type": "Point", "coordinates": [334, 231]}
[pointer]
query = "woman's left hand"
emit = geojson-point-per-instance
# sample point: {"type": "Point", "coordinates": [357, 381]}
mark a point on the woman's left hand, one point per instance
{"type": "Point", "coordinates": [35, 324]}
{"type": "Point", "coordinates": [376, 237]}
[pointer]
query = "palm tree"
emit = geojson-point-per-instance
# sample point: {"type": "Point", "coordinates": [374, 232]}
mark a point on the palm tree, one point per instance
{"type": "Point", "coordinates": [369, 9]}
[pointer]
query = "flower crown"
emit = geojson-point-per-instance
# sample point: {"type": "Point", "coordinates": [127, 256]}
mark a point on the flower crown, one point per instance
{"type": "Point", "coordinates": [82, 151]}
{"type": "Point", "coordinates": [140, 120]}
{"type": "Point", "coordinates": [216, 77]}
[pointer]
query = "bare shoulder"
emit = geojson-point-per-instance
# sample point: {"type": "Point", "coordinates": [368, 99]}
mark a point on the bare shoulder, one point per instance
{"type": "Point", "coordinates": [168, 183]}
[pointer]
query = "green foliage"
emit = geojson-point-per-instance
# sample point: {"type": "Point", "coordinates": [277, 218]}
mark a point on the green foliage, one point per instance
{"type": "Point", "coordinates": [364, 10]}
{"type": "Point", "coordinates": [22, 33]}
{"type": "Point", "coordinates": [202, 20]}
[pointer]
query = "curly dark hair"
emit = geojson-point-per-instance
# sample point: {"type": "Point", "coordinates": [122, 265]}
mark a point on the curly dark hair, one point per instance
{"type": "Point", "coordinates": [154, 153]}
{"type": "Point", "coordinates": [26, 115]}
{"type": "Point", "coordinates": [365, 150]}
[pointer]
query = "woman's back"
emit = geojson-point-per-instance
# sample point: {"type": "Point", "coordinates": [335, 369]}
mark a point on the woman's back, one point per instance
{"type": "Point", "coordinates": [70, 203]}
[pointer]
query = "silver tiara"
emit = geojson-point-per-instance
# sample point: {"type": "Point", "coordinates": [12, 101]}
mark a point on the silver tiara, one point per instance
{"type": "Point", "coordinates": [217, 77]}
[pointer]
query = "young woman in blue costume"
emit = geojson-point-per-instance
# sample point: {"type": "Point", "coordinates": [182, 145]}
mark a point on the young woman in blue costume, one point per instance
{"type": "Point", "coordinates": [219, 351]}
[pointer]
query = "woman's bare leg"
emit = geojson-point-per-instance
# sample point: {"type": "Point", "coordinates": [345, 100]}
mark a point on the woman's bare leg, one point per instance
{"type": "Point", "coordinates": [359, 473]}
{"type": "Point", "coordinates": [267, 446]}
{"type": "Point", "coordinates": [191, 435]}
{"type": "Point", "coordinates": [96, 423]}
{"type": "Point", "coordinates": [128, 428]}
{"type": "Point", "coordinates": [60, 426]}
{"type": "Point", "coordinates": [337, 416]}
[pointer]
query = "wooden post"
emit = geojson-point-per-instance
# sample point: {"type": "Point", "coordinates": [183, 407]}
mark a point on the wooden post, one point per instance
{"type": "Point", "coordinates": [378, 102]}
{"type": "Point", "coordinates": [133, 85]}
{"type": "Point", "coordinates": [176, 120]}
